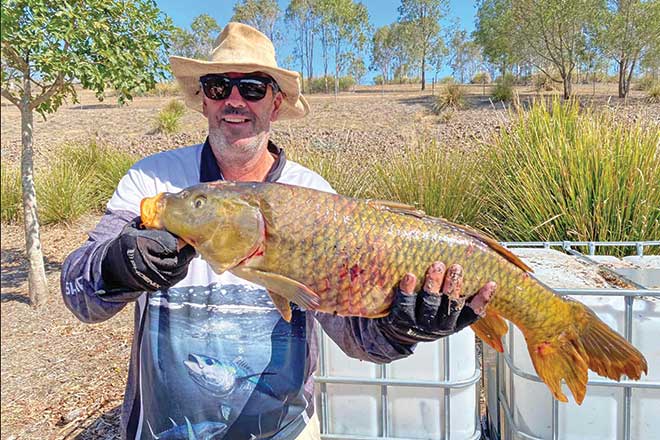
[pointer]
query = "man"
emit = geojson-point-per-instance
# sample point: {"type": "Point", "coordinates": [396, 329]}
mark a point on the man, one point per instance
{"type": "Point", "coordinates": [211, 356]}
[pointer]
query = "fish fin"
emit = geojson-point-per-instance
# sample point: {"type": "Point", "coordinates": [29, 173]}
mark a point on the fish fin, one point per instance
{"type": "Point", "coordinates": [243, 364]}
{"type": "Point", "coordinates": [282, 305]}
{"type": "Point", "coordinates": [401, 208]}
{"type": "Point", "coordinates": [189, 428]}
{"type": "Point", "coordinates": [492, 243]}
{"type": "Point", "coordinates": [248, 376]}
{"type": "Point", "coordinates": [490, 329]}
{"type": "Point", "coordinates": [587, 343]}
{"type": "Point", "coordinates": [279, 285]}
{"type": "Point", "coordinates": [152, 431]}
{"type": "Point", "coordinates": [225, 411]}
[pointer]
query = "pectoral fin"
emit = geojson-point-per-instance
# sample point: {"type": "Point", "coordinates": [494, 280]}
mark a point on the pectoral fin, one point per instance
{"type": "Point", "coordinates": [280, 286]}
{"type": "Point", "coordinates": [281, 304]}
{"type": "Point", "coordinates": [490, 329]}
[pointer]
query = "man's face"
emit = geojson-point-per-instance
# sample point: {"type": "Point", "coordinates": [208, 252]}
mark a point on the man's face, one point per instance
{"type": "Point", "coordinates": [238, 128]}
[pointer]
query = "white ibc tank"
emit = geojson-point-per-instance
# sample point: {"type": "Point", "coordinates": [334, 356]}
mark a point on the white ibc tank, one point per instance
{"type": "Point", "coordinates": [602, 413]}
{"type": "Point", "coordinates": [410, 412]}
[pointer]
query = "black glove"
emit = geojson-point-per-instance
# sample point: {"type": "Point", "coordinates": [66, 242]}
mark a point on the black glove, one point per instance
{"type": "Point", "coordinates": [141, 260]}
{"type": "Point", "coordinates": [427, 316]}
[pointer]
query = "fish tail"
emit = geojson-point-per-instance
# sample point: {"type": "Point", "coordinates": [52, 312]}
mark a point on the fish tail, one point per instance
{"type": "Point", "coordinates": [585, 343]}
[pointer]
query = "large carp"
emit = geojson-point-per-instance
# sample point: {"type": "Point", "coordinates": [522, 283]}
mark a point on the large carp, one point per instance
{"type": "Point", "coordinates": [341, 255]}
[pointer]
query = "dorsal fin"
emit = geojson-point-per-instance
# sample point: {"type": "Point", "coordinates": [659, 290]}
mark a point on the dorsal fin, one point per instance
{"type": "Point", "coordinates": [492, 243]}
{"type": "Point", "coordinates": [398, 207]}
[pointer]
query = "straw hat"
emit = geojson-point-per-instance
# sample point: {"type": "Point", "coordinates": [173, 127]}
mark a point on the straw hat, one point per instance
{"type": "Point", "coordinates": [240, 48]}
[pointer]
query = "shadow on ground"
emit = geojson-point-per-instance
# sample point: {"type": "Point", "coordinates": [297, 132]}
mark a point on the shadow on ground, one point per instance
{"type": "Point", "coordinates": [105, 427]}
{"type": "Point", "coordinates": [93, 107]}
{"type": "Point", "coordinates": [15, 272]}
{"type": "Point", "coordinates": [428, 101]}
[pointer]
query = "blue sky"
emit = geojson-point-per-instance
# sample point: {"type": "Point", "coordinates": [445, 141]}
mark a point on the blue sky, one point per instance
{"type": "Point", "coordinates": [381, 12]}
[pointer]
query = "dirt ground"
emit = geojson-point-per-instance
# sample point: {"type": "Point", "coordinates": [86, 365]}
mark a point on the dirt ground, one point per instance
{"type": "Point", "coordinates": [62, 379]}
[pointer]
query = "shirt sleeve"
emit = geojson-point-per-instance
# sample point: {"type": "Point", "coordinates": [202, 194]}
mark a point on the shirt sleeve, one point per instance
{"type": "Point", "coordinates": [361, 338]}
{"type": "Point", "coordinates": [80, 279]}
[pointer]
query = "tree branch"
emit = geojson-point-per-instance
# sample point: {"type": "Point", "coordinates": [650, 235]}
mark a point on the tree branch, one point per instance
{"type": "Point", "coordinates": [6, 94]}
{"type": "Point", "coordinates": [52, 89]}
{"type": "Point", "coordinates": [11, 53]}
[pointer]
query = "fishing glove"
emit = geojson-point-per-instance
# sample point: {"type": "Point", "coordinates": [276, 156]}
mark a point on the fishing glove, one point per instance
{"type": "Point", "coordinates": [427, 316]}
{"type": "Point", "coordinates": [140, 260]}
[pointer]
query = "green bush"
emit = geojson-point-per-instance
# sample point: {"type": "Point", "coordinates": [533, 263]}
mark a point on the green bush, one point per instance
{"type": "Point", "coordinates": [646, 82]}
{"type": "Point", "coordinates": [481, 78]}
{"type": "Point", "coordinates": [63, 194]}
{"type": "Point", "coordinates": [81, 180]}
{"type": "Point", "coordinates": [503, 90]}
{"type": "Point", "coordinates": [11, 194]}
{"type": "Point", "coordinates": [168, 119]}
{"type": "Point", "coordinates": [443, 183]}
{"type": "Point", "coordinates": [103, 165]}
{"type": "Point", "coordinates": [162, 89]}
{"type": "Point", "coordinates": [345, 175]}
{"type": "Point", "coordinates": [447, 80]}
{"type": "Point", "coordinates": [452, 97]}
{"type": "Point", "coordinates": [560, 174]}
{"type": "Point", "coordinates": [541, 82]}
{"type": "Point", "coordinates": [317, 85]}
{"type": "Point", "coordinates": [654, 93]}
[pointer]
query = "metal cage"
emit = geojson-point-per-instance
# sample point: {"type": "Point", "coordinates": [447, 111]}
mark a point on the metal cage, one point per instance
{"type": "Point", "coordinates": [500, 418]}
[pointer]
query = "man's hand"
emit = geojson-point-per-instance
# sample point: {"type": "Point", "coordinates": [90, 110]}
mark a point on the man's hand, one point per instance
{"type": "Point", "coordinates": [438, 310]}
{"type": "Point", "coordinates": [141, 260]}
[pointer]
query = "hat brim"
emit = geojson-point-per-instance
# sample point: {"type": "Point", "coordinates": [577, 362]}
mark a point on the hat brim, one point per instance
{"type": "Point", "coordinates": [187, 72]}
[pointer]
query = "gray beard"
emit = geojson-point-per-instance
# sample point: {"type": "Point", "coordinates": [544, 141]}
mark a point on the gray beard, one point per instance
{"type": "Point", "coordinates": [235, 155]}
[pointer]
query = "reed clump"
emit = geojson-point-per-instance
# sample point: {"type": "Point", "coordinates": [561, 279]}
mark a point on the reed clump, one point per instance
{"type": "Point", "coordinates": [561, 173]}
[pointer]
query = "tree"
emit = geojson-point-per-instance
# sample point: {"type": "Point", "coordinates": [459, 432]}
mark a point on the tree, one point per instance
{"type": "Point", "coordinates": [322, 11]}
{"type": "Point", "coordinates": [437, 58]}
{"type": "Point", "coordinates": [628, 29]}
{"type": "Point", "coordinates": [650, 63]}
{"type": "Point", "coordinates": [551, 34]}
{"type": "Point", "coordinates": [493, 32]}
{"type": "Point", "coordinates": [465, 56]}
{"type": "Point", "coordinates": [205, 31]}
{"type": "Point", "coordinates": [425, 16]}
{"type": "Point", "coordinates": [357, 68]}
{"type": "Point", "coordinates": [348, 25]}
{"type": "Point", "coordinates": [302, 16]}
{"type": "Point", "coordinates": [46, 47]}
{"type": "Point", "coordinates": [199, 41]}
{"type": "Point", "coordinates": [260, 14]}
{"type": "Point", "coordinates": [405, 50]}
{"type": "Point", "coordinates": [183, 43]}
{"type": "Point", "coordinates": [383, 51]}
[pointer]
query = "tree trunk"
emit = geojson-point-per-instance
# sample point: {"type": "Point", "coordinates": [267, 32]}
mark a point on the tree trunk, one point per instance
{"type": "Point", "coordinates": [625, 77]}
{"type": "Point", "coordinates": [423, 72]}
{"type": "Point", "coordinates": [622, 75]}
{"type": "Point", "coordinates": [567, 86]}
{"type": "Point", "coordinates": [36, 271]}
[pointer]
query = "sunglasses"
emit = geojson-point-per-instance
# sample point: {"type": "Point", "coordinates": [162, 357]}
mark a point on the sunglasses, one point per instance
{"type": "Point", "coordinates": [251, 88]}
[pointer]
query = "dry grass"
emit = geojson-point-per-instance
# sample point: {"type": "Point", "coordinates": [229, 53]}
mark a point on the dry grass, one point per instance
{"type": "Point", "coordinates": [64, 379]}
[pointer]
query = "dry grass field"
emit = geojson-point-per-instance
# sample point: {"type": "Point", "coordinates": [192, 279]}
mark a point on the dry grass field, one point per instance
{"type": "Point", "coordinates": [62, 379]}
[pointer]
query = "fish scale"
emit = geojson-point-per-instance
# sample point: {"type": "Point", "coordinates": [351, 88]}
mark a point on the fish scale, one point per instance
{"type": "Point", "coordinates": [340, 255]}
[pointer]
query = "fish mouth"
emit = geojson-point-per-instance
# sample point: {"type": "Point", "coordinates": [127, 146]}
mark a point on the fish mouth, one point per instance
{"type": "Point", "coordinates": [193, 364]}
{"type": "Point", "coordinates": [150, 208]}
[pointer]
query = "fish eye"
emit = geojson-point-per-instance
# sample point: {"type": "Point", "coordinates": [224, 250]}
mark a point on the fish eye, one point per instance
{"type": "Point", "coordinates": [208, 362]}
{"type": "Point", "coordinates": [199, 201]}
